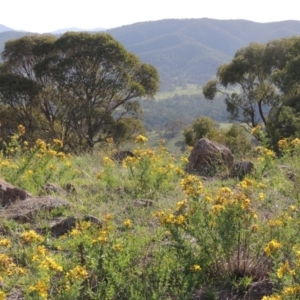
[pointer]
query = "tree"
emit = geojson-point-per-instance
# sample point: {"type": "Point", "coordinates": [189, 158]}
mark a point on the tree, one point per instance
{"type": "Point", "coordinates": [247, 85]}
{"type": "Point", "coordinates": [200, 128]}
{"type": "Point", "coordinates": [89, 83]}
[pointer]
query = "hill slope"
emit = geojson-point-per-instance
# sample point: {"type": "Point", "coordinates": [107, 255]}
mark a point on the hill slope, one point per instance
{"type": "Point", "coordinates": [5, 28]}
{"type": "Point", "coordinates": [190, 50]}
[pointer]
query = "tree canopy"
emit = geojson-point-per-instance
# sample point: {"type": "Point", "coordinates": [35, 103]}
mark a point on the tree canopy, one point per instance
{"type": "Point", "coordinates": [78, 87]}
{"type": "Point", "coordinates": [258, 81]}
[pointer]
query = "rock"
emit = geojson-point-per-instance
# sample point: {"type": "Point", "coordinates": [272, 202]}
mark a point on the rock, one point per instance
{"type": "Point", "coordinates": [25, 210]}
{"type": "Point", "coordinates": [9, 194]}
{"type": "Point", "coordinates": [16, 294]}
{"type": "Point", "coordinates": [259, 289]}
{"type": "Point", "coordinates": [59, 227]}
{"type": "Point", "coordinates": [51, 188]}
{"type": "Point", "coordinates": [142, 202]}
{"type": "Point", "coordinates": [92, 219]}
{"type": "Point", "coordinates": [291, 176]}
{"type": "Point", "coordinates": [241, 169]}
{"type": "Point", "coordinates": [70, 188]}
{"type": "Point", "coordinates": [120, 155]}
{"type": "Point", "coordinates": [207, 156]}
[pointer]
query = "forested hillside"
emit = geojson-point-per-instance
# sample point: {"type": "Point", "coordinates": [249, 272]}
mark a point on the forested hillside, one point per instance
{"type": "Point", "coordinates": [189, 50]}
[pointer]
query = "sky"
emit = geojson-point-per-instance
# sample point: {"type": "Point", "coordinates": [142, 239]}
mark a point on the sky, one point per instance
{"type": "Point", "coordinates": [46, 16]}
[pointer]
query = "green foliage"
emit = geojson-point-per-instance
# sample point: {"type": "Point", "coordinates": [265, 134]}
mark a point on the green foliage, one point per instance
{"type": "Point", "coordinates": [283, 123]}
{"type": "Point", "coordinates": [202, 127]}
{"type": "Point", "coordinates": [80, 84]}
{"type": "Point", "coordinates": [237, 139]}
{"type": "Point", "coordinates": [188, 237]}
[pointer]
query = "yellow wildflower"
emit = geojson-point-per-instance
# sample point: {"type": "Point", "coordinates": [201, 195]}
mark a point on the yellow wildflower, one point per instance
{"type": "Point", "coordinates": [256, 129]}
{"type": "Point", "coordinates": [5, 243]}
{"type": "Point", "coordinates": [195, 268]}
{"type": "Point", "coordinates": [49, 264]}
{"type": "Point", "coordinates": [99, 174]}
{"type": "Point", "coordinates": [41, 287]}
{"type": "Point", "coordinates": [117, 247]}
{"type": "Point", "coordinates": [21, 129]}
{"type": "Point", "coordinates": [273, 297]}
{"type": "Point", "coordinates": [107, 161]}
{"type": "Point", "coordinates": [272, 246]}
{"type": "Point", "coordinates": [275, 223]}
{"type": "Point", "coordinates": [285, 269]}
{"type": "Point", "coordinates": [282, 143]}
{"type": "Point", "coordinates": [31, 236]}
{"type": "Point", "coordinates": [78, 273]}
{"type": "Point", "coordinates": [140, 139]}
{"type": "Point", "coordinates": [215, 209]}
{"type": "Point", "coordinates": [58, 143]}
{"type": "Point", "coordinates": [179, 220]}
{"type": "Point", "coordinates": [295, 142]}
{"type": "Point", "coordinates": [128, 223]}
{"type": "Point", "coordinates": [291, 290]}
{"type": "Point", "coordinates": [2, 295]}
{"type": "Point", "coordinates": [181, 205]}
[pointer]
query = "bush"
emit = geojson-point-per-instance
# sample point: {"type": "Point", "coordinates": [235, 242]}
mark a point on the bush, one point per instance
{"type": "Point", "coordinates": [202, 127]}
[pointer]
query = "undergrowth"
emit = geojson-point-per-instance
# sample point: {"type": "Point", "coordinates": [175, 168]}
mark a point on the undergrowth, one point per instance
{"type": "Point", "coordinates": [163, 233]}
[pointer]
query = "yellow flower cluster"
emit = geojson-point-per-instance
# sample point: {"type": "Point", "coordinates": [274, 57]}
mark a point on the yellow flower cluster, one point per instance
{"type": "Point", "coordinates": [2, 295]}
{"type": "Point", "coordinates": [271, 247]}
{"type": "Point", "coordinates": [58, 143]}
{"type": "Point", "coordinates": [128, 223]}
{"type": "Point", "coordinates": [273, 297]}
{"type": "Point", "coordinates": [295, 142]}
{"type": "Point", "coordinates": [117, 248]}
{"type": "Point", "coordinates": [275, 223]}
{"type": "Point", "coordinates": [191, 185]}
{"type": "Point", "coordinates": [181, 205]}
{"type": "Point", "coordinates": [50, 264]}
{"type": "Point", "coordinates": [5, 243]}
{"type": "Point", "coordinates": [78, 273]}
{"type": "Point", "coordinates": [169, 218]}
{"type": "Point", "coordinates": [293, 290]}
{"type": "Point", "coordinates": [246, 183]}
{"type": "Point", "coordinates": [21, 129]}
{"type": "Point", "coordinates": [8, 267]}
{"type": "Point", "coordinates": [256, 129]}
{"type": "Point", "coordinates": [285, 269]}
{"type": "Point", "coordinates": [108, 161]}
{"type": "Point", "coordinates": [31, 237]}
{"type": "Point", "coordinates": [282, 144]}
{"type": "Point", "coordinates": [103, 237]}
{"type": "Point", "coordinates": [195, 268]}
{"type": "Point", "coordinates": [141, 139]}
{"type": "Point", "coordinates": [267, 152]}
{"type": "Point", "coordinates": [41, 287]}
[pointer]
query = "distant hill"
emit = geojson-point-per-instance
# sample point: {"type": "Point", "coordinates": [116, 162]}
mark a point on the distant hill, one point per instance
{"type": "Point", "coordinates": [76, 29]}
{"type": "Point", "coordinates": [5, 28]}
{"type": "Point", "coordinates": [188, 51]}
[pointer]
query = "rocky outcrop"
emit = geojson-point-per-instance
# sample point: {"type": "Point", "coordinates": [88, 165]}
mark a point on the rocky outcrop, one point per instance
{"type": "Point", "coordinates": [9, 194]}
{"type": "Point", "coordinates": [26, 210]}
{"type": "Point", "coordinates": [120, 155]}
{"type": "Point", "coordinates": [242, 168]}
{"type": "Point", "coordinates": [207, 157]}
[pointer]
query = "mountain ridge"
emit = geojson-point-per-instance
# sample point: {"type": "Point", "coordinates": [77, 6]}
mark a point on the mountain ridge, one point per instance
{"type": "Point", "coordinates": [189, 51]}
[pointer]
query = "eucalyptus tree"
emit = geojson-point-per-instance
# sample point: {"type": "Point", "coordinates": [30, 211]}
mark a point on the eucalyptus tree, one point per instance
{"type": "Point", "coordinates": [247, 85]}
{"type": "Point", "coordinates": [88, 83]}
